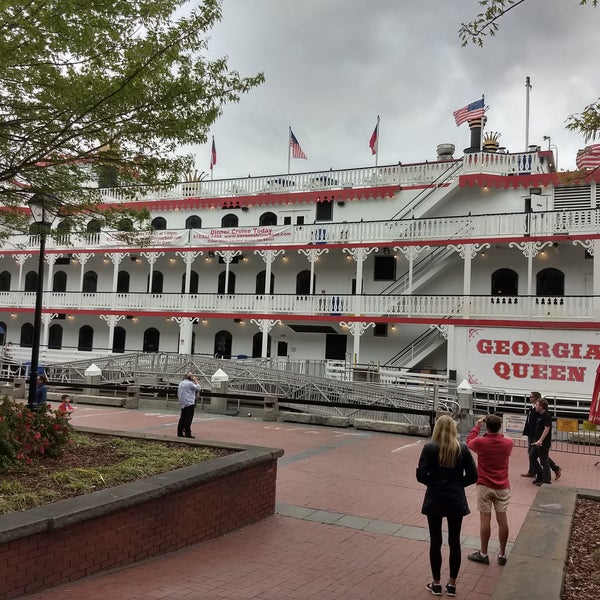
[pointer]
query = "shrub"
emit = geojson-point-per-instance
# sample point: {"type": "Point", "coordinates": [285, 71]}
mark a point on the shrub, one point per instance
{"type": "Point", "coordinates": [25, 434]}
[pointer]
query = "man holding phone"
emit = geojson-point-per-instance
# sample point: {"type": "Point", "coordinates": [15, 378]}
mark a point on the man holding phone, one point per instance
{"type": "Point", "coordinates": [186, 393]}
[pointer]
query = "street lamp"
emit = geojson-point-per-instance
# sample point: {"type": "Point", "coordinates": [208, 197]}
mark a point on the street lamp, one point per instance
{"type": "Point", "coordinates": [44, 210]}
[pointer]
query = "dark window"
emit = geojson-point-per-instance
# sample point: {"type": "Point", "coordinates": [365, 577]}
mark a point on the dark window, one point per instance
{"type": "Point", "coordinates": [59, 282]}
{"type": "Point", "coordinates": [267, 218]}
{"type": "Point", "coordinates": [257, 340]}
{"type": "Point", "coordinates": [90, 282]}
{"type": "Point", "coordinates": [287, 220]}
{"type": "Point", "coordinates": [159, 223]}
{"type": "Point", "coordinates": [55, 336]}
{"type": "Point", "coordinates": [93, 226]}
{"type": "Point", "coordinates": [300, 220]}
{"type": "Point", "coordinates": [123, 279]}
{"type": "Point", "coordinates": [193, 222]}
{"type": "Point", "coordinates": [151, 340]}
{"type": "Point", "coordinates": [125, 225]}
{"type": "Point", "coordinates": [303, 283]}
{"type": "Point", "coordinates": [505, 282]}
{"type": "Point", "coordinates": [31, 281]}
{"type": "Point", "coordinates": [282, 348]}
{"type": "Point", "coordinates": [384, 269]}
{"type": "Point", "coordinates": [26, 336]}
{"type": "Point", "coordinates": [64, 226]}
{"type": "Point", "coordinates": [229, 220]}
{"type": "Point", "coordinates": [230, 283]}
{"type": "Point", "coordinates": [193, 283]}
{"type": "Point", "coordinates": [324, 211]}
{"type": "Point", "coordinates": [550, 282]}
{"type": "Point", "coordinates": [222, 348]}
{"type": "Point", "coordinates": [157, 283]}
{"type": "Point", "coordinates": [335, 346]}
{"type": "Point", "coordinates": [5, 278]}
{"type": "Point", "coordinates": [86, 339]}
{"type": "Point", "coordinates": [261, 283]}
{"type": "Point", "coordinates": [119, 340]}
{"type": "Point", "coordinates": [3, 331]}
{"type": "Point", "coordinates": [380, 330]}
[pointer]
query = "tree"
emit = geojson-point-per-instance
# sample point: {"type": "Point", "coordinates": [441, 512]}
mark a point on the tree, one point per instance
{"type": "Point", "coordinates": [486, 24]}
{"type": "Point", "coordinates": [107, 90]}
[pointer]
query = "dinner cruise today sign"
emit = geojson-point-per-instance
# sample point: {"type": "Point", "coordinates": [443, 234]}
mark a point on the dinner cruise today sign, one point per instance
{"type": "Point", "coordinates": [551, 362]}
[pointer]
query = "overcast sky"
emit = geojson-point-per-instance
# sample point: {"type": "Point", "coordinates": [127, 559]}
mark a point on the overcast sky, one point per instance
{"type": "Point", "coordinates": [332, 66]}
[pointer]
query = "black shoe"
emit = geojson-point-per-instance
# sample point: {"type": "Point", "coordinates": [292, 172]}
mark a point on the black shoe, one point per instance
{"type": "Point", "coordinates": [479, 558]}
{"type": "Point", "coordinates": [501, 560]}
{"type": "Point", "coordinates": [434, 588]}
{"type": "Point", "coordinates": [450, 589]}
{"type": "Point", "coordinates": [180, 435]}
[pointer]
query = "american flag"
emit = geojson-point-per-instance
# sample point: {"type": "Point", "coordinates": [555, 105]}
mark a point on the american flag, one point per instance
{"type": "Point", "coordinates": [475, 110]}
{"type": "Point", "coordinates": [295, 146]}
{"type": "Point", "coordinates": [374, 139]}
{"type": "Point", "coordinates": [213, 155]}
{"type": "Point", "coordinates": [588, 158]}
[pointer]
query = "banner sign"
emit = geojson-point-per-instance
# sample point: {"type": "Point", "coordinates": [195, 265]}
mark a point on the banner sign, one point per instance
{"type": "Point", "coordinates": [167, 237]}
{"type": "Point", "coordinates": [241, 235]}
{"type": "Point", "coordinates": [551, 362]}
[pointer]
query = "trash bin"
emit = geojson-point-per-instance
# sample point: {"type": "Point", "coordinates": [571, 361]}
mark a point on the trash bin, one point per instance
{"type": "Point", "coordinates": [219, 384]}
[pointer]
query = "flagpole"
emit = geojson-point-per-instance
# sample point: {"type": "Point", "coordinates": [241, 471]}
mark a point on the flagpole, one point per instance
{"type": "Point", "coordinates": [289, 146]}
{"type": "Point", "coordinates": [378, 139]}
{"type": "Point", "coordinates": [527, 88]}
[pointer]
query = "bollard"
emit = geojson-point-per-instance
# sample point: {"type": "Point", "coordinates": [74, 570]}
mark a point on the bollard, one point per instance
{"type": "Point", "coordinates": [133, 397]}
{"type": "Point", "coordinates": [19, 388]}
{"type": "Point", "coordinates": [271, 408]}
{"type": "Point", "coordinates": [219, 384]}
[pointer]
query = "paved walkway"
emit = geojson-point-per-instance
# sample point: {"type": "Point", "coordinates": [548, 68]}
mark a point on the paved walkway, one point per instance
{"type": "Point", "coordinates": [348, 524]}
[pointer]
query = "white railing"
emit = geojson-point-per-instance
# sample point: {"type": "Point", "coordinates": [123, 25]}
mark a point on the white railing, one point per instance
{"type": "Point", "coordinates": [564, 308]}
{"type": "Point", "coordinates": [459, 229]}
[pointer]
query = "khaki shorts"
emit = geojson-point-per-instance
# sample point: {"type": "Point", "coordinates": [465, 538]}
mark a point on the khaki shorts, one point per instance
{"type": "Point", "coordinates": [488, 497]}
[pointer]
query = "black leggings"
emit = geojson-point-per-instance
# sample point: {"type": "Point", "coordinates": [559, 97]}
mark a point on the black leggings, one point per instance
{"type": "Point", "coordinates": [435, 547]}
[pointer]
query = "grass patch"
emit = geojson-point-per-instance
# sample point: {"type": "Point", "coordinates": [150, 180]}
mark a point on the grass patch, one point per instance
{"type": "Point", "coordinates": [93, 462]}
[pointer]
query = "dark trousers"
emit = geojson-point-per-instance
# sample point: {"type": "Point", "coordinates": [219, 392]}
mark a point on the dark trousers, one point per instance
{"type": "Point", "coordinates": [541, 463]}
{"type": "Point", "coordinates": [435, 545]}
{"type": "Point", "coordinates": [184, 427]}
{"type": "Point", "coordinates": [553, 466]}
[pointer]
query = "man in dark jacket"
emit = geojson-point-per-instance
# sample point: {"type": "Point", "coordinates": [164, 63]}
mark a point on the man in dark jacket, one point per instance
{"type": "Point", "coordinates": [529, 431]}
{"type": "Point", "coordinates": [541, 445]}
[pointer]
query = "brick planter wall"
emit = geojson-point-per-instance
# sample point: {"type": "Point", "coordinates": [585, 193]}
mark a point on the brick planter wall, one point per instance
{"type": "Point", "coordinates": [77, 537]}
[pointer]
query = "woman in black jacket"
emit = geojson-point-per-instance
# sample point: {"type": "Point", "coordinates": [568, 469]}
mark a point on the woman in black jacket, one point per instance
{"type": "Point", "coordinates": [446, 467]}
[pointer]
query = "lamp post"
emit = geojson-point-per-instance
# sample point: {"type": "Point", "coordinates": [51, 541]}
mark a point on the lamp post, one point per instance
{"type": "Point", "coordinates": [43, 210]}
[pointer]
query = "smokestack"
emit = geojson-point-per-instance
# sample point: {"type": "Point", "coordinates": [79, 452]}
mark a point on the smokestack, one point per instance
{"type": "Point", "coordinates": [476, 126]}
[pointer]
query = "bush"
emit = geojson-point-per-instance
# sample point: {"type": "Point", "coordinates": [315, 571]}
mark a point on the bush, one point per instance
{"type": "Point", "coordinates": [25, 434]}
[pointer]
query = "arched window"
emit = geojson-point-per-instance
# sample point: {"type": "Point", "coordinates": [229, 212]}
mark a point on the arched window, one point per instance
{"type": "Point", "coordinates": [64, 226]}
{"type": "Point", "coordinates": [159, 223]}
{"type": "Point", "coordinates": [86, 339]}
{"type": "Point", "coordinates": [55, 336]}
{"type": "Point", "coordinates": [119, 340]}
{"type": "Point", "coordinates": [222, 347]}
{"type": "Point", "coordinates": [151, 340]}
{"type": "Point", "coordinates": [229, 220]}
{"type": "Point", "coordinates": [59, 282]}
{"type": "Point", "coordinates": [303, 283]}
{"type": "Point", "coordinates": [5, 278]}
{"type": "Point", "coordinates": [125, 225]}
{"type": "Point", "coordinates": [3, 331]}
{"type": "Point", "coordinates": [31, 281]}
{"type": "Point", "coordinates": [26, 335]}
{"type": "Point", "coordinates": [230, 283]}
{"type": "Point", "coordinates": [550, 282]}
{"type": "Point", "coordinates": [93, 226]}
{"type": "Point", "coordinates": [90, 282]}
{"type": "Point", "coordinates": [267, 218]}
{"type": "Point", "coordinates": [157, 283]}
{"type": "Point", "coordinates": [260, 283]}
{"type": "Point", "coordinates": [257, 345]}
{"type": "Point", "coordinates": [193, 283]}
{"type": "Point", "coordinates": [193, 222]}
{"type": "Point", "coordinates": [123, 282]}
{"type": "Point", "coordinates": [505, 282]}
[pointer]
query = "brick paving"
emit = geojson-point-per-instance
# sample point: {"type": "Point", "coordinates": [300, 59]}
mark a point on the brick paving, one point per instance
{"type": "Point", "coordinates": [348, 523]}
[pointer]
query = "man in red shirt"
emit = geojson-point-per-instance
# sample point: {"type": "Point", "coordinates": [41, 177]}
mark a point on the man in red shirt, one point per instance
{"type": "Point", "coordinates": [493, 488]}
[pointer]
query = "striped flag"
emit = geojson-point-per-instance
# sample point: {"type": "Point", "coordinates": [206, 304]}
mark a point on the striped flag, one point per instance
{"type": "Point", "coordinates": [374, 138]}
{"type": "Point", "coordinates": [295, 146]}
{"type": "Point", "coordinates": [588, 158]}
{"type": "Point", "coordinates": [213, 154]}
{"type": "Point", "coordinates": [475, 110]}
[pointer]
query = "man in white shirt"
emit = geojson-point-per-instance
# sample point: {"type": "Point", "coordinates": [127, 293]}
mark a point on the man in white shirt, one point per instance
{"type": "Point", "coordinates": [186, 393]}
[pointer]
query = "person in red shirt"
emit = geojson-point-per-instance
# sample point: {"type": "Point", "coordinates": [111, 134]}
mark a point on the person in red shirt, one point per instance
{"type": "Point", "coordinates": [493, 488]}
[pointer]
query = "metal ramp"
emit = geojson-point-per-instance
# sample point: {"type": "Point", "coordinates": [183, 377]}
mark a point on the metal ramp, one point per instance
{"type": "Point", "coordinates": [360, 399]}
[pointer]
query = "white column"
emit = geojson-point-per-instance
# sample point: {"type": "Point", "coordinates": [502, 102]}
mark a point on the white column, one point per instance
{"type": "Point", "coordinates": [51, 260]}
{"type": "Point", "coordinates": [186, 330]}
{"type": "Point", "coordinates": [359, 255]}
{"type": "Point", "coordinates": [312, 256]}
{"type": "Point", "coordinates": [410, 253]}
{"type": "Point", "coordinates": [151, 257]}
{"type": "Point", "coordinates": [227, 256]}
{"type": "Point", "coordinates": [265, 325]}
{"type": "Point", "coordinates": [468, 252]}
{"type": "Point", "coordinates": [529, 250]}
{"type": "Point", "coordinates": [116, 259]}
{"type": "Point", "coordinates": [268, 256]}
{"type": "Point", "coordinates": [111, 321]}
{"type": "Point", "coordinates": [188, 258]}
{"type": "Point", "coordinates": [46, 320]}
{"type": "Point", "coordinates": [21, 258]}
{"type": "Point", "coordinates": [356, 328]}
{"type": "Point", "coordinates": [82, 257]}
